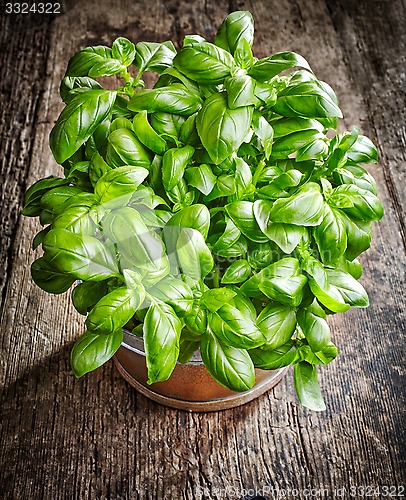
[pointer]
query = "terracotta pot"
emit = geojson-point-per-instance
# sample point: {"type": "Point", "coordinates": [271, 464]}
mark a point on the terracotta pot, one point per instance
{"type": "Point", "coordinates": [190, 387]}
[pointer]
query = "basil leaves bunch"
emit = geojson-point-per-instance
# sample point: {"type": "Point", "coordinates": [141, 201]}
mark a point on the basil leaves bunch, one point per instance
{"type": "Point", "coordinates": [212, 211]}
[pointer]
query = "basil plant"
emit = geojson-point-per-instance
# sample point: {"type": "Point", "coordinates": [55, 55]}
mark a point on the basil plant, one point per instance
{"type": "Point", "coordinates": [218, 211]}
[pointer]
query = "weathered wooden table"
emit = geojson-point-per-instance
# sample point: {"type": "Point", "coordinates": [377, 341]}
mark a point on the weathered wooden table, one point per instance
{"type": "Point", "coordinates": [96, 437]}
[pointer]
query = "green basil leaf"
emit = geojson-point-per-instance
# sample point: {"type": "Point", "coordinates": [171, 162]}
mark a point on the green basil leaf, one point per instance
{"type": "Point", "coordinates": [123, 50]}
{"type": "Point", "coordinates": [32, 206]}
{"type": "Point", "coordinates": [230, 236]}
{"type": "Point", "coordinates": [225, 186]}
{"type": "Point", "coordinates": [186, 349]}
{"type": "Point", "coordinates": [240, 91]}
{"type": "Point", "coordinates": [193, 39]}
{"type": "Point", "coordinates": [82, 198]}
{"type": "Point", "coordinates": [272, 191]}
{"type": "Point", "coordinates": [120, 109]}
{"type": "Point", "coordinates": [238, 249]}
{"type": "Point", "coordinates": [77, 216]}
{"type": "Point", "coordinates": [327, 188]}
{"type": "Point", "coordinates": [180, 196]}
{"type": "Point", "coordinates": [176, 293]}
{"type": "Point", "coordinates": [304, 208]}
{"type": "Point", "coordinates": [196, 217]}
{"type": "Point", "coordinates": [125, 149]}
{"type": "Point", "coordinates": [204, 63]}
{"type": "Point", "coordinates": [147, 135]}
{"type": "Point", "coordinates": [132, 280]}
{"type": "Point", "coordinates": [175, 98]}
{"type": "Point", "coordinates": [78, 120]}
{"type": "Point", "coordinates": [277, 323]}
{"type": "Point", "coordinates": [188, 132]}
{"type": "Point", "coordinates": [114, 310]}
{"type": "Point", "coordinates": [194, 256]}
{"type": "Point", "coordinates": [201, 177]}
{"type": "Point", "coordinates": [307, 386]}
{"type": "Point", "coordinates": [45, 218]}
{"type": "Point", "coordinates": [315, 329]}
{"type": "Point", "coordinates": [243, 334]}
{"type": "Point", "coordinates": [266, 93]}
{"type": "Point", "coordinates": [214, 298]}
{"type": "Point", "coordinates": [265, 69]}
{"type": "Point", "coordinates": [353, 267]}
{"type": "Point", "coordinates": [243, 179]}
{"type": "Point", "coordinates": [230, 366]}
{"type": "Point", "coordinates": [340, 200]}
{"type": "Point", "coordinates": [366, 206]}
{"type": "Point", "coordinates": [93, 350]}
{"type": "Point", "coordinates": [264, 132]}
{"type": "Point", "coordinates": [315, 308]}
{"type": "Point", "coordinates": [119, 123]}
{"type": "Point", "coordinates": [236, 26]}
{"type": "Point", "coordinates": [350, 289]}
{"type": "Point", "coordinates": [119, 182]}
{"type": "Point", "coordinates": [39, 237]}
{"type": "Point", "coordinates": [331, 236]}
{"type": "Point", "coordinates": [285, 126]}
{"type": "Point", "coordinates": [236, 272]}
{"type": "Point", "coordinates": [141, 248]}
{"type": "Point", "coordinates": [50, 279]}
{"type": "Point", "coordinates": [161, 337]}
{"type": "Point", "coordinates": [154, 56]}
{"type": "Point", "coordinates": [286, 236]}
{"type": "Point", "coordinates": [79, 174]}
{"type": "Point", "coordinates": [243, 54]}
{"type": "Point", "coordinates": [354, 174]}
{"type": "Point", "coordinates": [283, 268]}
{"type": "Point", "coordinates": [84, 257]}
{"type": "Point", "coordinates": [285, 290]}
{"type": "Point", "coordinates": [358, 236]}
{"type": "Point", "coordinates": [279, 357]}
{"type": "Point", "coordinates": [70, 84]}
{"type": "Point", "coordinates": [97, 168]}
{"type": "Point", "coordinates": [288, 179]}
{"type": "Point", "coordinates": [87, 294]}
{"type": "Point", "coordinates": [362, 151]}
{"type": "Point", "coordinates": [320, 285]}
{"type": "Point", "coordinates": [262, 255]}
{"type": "Point", "coordinates": [172, 75]}
{"type": "Point", "coordinates": [323, 357]}
{"type": "Point", "coordinates": [316, 149]}
{"type": "Point", "coordinates": [196, 319]}
{"type": "Point", "coordinates": [95, 61]}
{"type": "Point", "coordinates": [167, 125]}
{"type": "Point", "coordinates": [284, 146]}
{"type": "Point", "coordinates": [242, 214]}
{"type": "Point", "coordinates": [222, 130]}
{"type": "Point", "coordinates": [174, 163]}
{"type": "Point", "coordinates": [306, 99]}
{"type": "Point", "coordinates": [235, 323]}
{"type": "Point", "coordinates": [100, 136]}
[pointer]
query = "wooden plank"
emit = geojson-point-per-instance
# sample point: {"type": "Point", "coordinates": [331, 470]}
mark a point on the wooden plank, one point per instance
{"type": "Point", "coordinates": [95, 437]}
{"type": "Point", "coordinates": [24, 54]}
{"type": "Point", "coordinates": [375, 57]}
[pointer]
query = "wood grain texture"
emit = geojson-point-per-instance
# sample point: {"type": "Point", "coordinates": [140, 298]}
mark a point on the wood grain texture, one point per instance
{"type": "Point", "coordinates": [96, 438]}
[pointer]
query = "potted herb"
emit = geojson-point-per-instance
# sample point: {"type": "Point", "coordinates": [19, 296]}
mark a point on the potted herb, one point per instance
{"type": "Point", "coordinates": [212, 212]}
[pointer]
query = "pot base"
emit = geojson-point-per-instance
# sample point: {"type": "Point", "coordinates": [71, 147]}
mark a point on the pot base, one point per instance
{"type": "Point", "coordinates": [223, 403]}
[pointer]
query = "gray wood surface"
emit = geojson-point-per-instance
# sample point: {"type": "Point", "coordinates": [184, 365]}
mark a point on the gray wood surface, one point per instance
{"type": "Point", "coordinates": [96, 438]}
